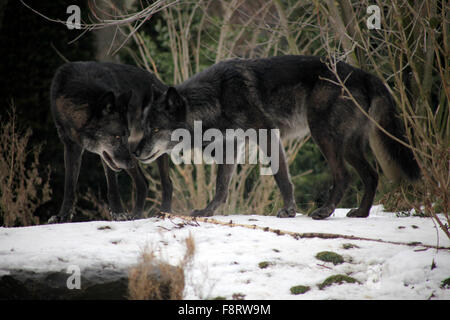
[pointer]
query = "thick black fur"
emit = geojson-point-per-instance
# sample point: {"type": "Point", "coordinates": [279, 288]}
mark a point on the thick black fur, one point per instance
{"type": "Point", "coordinates": [293, 94]}
{"type": "Point", "coordinates": [95, 107]}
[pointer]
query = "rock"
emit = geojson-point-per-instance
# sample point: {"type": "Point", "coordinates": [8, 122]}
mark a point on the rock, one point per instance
{"type": "Point", "coordinates": [95, 284]}
{"type": "Point", "coordinates": [52, 285]}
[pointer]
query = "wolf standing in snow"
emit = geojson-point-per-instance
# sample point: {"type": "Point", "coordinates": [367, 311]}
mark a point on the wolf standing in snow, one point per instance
{"type": "Point", "coordinates": [292, 94]}
{"type": "Point", "coordinates": [94, 106]}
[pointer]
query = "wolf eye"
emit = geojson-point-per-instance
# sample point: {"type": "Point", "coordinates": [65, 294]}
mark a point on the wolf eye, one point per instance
{"type": "Point", "coordinates": [118, 137]}
{"type": "Point", "coordinates": [155, 130]}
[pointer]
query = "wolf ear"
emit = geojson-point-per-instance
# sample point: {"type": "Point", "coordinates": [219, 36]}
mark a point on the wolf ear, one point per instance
{"type": "Point", "coordinates": [175, 104]}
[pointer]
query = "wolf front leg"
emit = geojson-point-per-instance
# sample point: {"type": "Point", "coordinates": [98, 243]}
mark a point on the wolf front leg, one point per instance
{"type": "Point", "coordinates": [285, 185]}
{"type": "Point", "coordinates": [166, 183]}
{"type": "Point", "coordinates": [224, 175]}
{"type": "Point", "coordinates": [280, 170]}
{"type": "Point", "coordinates": [72, 160]}
{"type": "Point", "coordinates": [116, 209]}
{"type": "Point", "coordinates": [141, 190]}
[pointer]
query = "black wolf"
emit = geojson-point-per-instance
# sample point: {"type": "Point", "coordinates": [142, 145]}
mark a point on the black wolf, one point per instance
{"type": "Point", "coordinates": [292, 94]}
{"type": "Point", "coordinates": [95, 107]}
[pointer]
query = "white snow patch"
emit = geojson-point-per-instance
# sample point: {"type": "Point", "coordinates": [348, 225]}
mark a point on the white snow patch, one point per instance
{"type": "Point", "coordinates": [226, 260]}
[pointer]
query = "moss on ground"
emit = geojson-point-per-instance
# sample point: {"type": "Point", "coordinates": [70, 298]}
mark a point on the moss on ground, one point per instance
{"type": "Point", "coordinates": [347, 246]}
{"type": "Point", "coordinates": [329, 256]}
{"type": "Point", "coordinates": [338, 278]}
{"type": "Point", "coordinates": [445, 284]}
{"type": "Point", "coordinates": [264, 264]}
{"type": "Point", "coordinates": [299, 289]}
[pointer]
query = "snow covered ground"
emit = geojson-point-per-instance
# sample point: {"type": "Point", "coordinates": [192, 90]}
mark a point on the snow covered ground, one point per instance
{"type": "Point", "coordinates": [227, 259]}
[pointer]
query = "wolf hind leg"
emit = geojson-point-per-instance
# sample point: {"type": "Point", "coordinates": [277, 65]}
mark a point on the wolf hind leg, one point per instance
{"type": "Point", "coordinates": [355, 157]}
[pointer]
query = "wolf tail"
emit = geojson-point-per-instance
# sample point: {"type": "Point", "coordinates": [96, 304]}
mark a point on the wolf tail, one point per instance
{"type": "Point", "coordinates": [396, 160]}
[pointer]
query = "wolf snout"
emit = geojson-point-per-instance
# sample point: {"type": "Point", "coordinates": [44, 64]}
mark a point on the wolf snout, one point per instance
{"type": "Point", "coordinates": [136, 153]}
{"type": "Point", "coordinates": [137, 150]}
{"type": "Point", "coordinates": [118, 163]}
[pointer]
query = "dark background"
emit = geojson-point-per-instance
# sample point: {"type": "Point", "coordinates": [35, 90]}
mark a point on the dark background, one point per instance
{"type": "Point", "coordinates": [29, 60]}
{"type": "Point", "coordinates": [32, 48]}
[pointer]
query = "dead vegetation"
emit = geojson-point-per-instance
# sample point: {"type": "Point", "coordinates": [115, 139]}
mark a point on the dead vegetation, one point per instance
{"type": "Point", "coordinates": [22, 189]}
{"type": "Point", "coordinates": [94, 207]}
{"type": "Point", "coordinates": [154, 279]}
{"type": "Point", "coordinates": [408, 53]}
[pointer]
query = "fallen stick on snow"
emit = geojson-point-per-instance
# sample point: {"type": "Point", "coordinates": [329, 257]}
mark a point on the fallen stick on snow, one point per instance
{"type": "Point", "coordinates": [296, 235]}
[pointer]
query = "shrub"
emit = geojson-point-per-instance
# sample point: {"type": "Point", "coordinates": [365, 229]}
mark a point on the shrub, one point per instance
{"type": "Point", "coordinates": [22, 189]}
{"type": "Point", "coordinates": [154, 279]}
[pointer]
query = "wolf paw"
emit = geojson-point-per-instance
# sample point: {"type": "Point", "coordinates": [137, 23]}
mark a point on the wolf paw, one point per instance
{"type": "Point", "coordinates": [321, 213]}
{"type": "Point", "coordinates": [166, 207]}
{"type": "Point", "coordinates": [136, 214]}
{"type": "Point", "coordinates": [122, 216]}
{"type": "Point", "coordinates": [287, 213]}
{"type": "Point", "coordinates": [357, 213]}
{"type": "Point", "coordinates": [54, 219]}
{"type": "Point", "coordinates": [202, 213]}
{"type": "Point", "coordinates": [59, 219]}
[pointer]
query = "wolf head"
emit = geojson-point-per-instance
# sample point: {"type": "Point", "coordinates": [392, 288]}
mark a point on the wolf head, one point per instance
{"type": "Point", "coordinates": [160, 117]}
{"type": "Point", "coordinates": [100, 125]}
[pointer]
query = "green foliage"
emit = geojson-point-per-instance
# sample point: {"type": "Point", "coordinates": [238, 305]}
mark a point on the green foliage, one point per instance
{"type": "Point", "coordinates": [190, 36]}
{"type": "Point", "coordinates": [338, 279]}
{"type": "Point", "coordinates": [347, 246]}
{"type": "Point", "coordinates": [445, 283]}
{"type": "Point", "coordinates": [329, 256]}
{"type": "Point", "coordinates": [311, 190]}
{"type": "Point", "coordinates": [299, 289]}
{"type": "Point", "coordinates": [264, 264]}
{"type": "Point", "coordinates": [156, 36]}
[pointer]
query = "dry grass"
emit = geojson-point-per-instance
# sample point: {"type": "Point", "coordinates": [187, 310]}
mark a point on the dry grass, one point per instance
{"type": "Point", "coordinates": [94, 207]}
{"type": "Point", "coordinates": [226, 29]}
{"type": "Point", "coordinates": [22, 189]}
{"type": "Point", "coordinates": [410, 54]}
{"type": "Point", "coordinates": [412, 46]}
{"type": "Point", "coordinates": [154, 279]}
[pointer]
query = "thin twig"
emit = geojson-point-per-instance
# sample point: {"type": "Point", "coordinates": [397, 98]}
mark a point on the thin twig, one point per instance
{"type": "Point", "coordinates": [297, 235]}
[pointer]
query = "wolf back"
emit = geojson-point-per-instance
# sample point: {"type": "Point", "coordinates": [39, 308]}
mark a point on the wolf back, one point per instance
{"type": "Point", "coordinates": [297, 95]}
